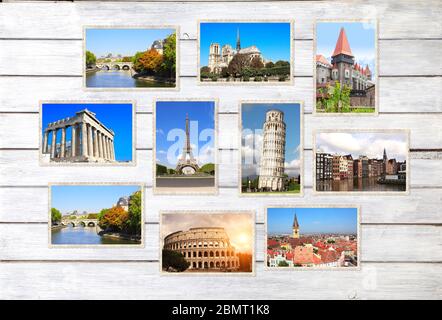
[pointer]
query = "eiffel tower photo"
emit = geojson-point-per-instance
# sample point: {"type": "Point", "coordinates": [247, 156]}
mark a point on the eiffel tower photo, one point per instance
{"type": "Point", "coordinates": [187, 164]}
{"type": "Point", "coordinates": [184, 170]}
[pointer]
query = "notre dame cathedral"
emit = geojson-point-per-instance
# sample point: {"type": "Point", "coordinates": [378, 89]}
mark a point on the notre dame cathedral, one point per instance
{"type": "Point", "coordinates": [219, 59]}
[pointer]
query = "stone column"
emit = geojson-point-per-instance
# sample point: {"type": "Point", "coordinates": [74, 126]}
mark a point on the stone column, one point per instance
{"type": "Point", "coordinates": [83, 139]}
{"type": "Point", "coordinates": [100, 144]}
{"type": "Point", "coordinates": [74, 141]}
{"type": "Point", "coordinates": [63, 143]}
{"type": "Point", "coordinates": [113, 149]}
{"type": "Point", "coordinates": [106, 148]}
{"type": "Point", "coordinates": [54, 143]}
{"type": "Point", "coordinates": [78, 138]}
{"type": "Point", "coordinates": [90, 147]}
{"type": "Point", "coordinates": [45, 142]}
{"type": "Point", "coordinates": [96, 151]}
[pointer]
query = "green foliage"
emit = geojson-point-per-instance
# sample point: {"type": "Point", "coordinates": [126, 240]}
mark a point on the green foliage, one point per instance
{"type": "Point", "coordinates": [258, 79]}
{"type": "Point", "coordinates": [55, 215]}
{"type": "Point", "coordinates": [102, 213]}
{"type": "Point", "coordinates": [269, 65]}
{"type": "Point", "coordinates": [171, 171]}
{"type": "Point", "coordinates": [237, 64]}
{"type": "Point", "coordinates": [174, 260]}
{"type": "Point", "coordinates": [281, 63]}
{"type": "Point", "coordinates": [126, 59]}
{"type": "Point", "coordinates": [208, 168]}
{"type": "Point", "coordinates": [169, 56]}
{"type": "Point", "coordinates": [91, 59]}
{"type": "Point", "coordinates": [337, 100]}
{"type": "Point", "coordinates": [161, 170]}
{"type": "Point", "coordinates": [92, 216]}
{"type": "Point", "coordinates": [283, 263]}
{"type": "Point", "coordinates": [135, 209]}
{"type": "Point", "coordinates": [245, 78]}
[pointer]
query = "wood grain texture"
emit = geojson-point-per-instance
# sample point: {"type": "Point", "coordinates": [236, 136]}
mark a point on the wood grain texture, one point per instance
{"type": "Point", "coordinates": [86, 280]}
{"type": "Point", "coordinates": [41, 59]}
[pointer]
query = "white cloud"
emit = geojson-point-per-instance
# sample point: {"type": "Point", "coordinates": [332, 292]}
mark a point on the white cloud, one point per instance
{"type": "Point", "coordinates": [369, 144]}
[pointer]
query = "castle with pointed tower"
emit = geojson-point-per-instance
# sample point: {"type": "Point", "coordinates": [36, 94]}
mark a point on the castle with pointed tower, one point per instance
{"type": "Point", "coordinates": [219, 59]}
{"type": "Point", "coordinates": [346, 71]}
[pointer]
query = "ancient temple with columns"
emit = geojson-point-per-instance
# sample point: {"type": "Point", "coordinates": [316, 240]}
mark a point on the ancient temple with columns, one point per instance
{"type": "Point", "coordinates": [90, 140]}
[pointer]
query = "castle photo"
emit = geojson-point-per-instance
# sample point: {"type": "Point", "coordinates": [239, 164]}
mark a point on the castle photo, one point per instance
{"type": "Point", "coordinates": [130, 58]}
{"type": "Point", "coordinates": [271, 148]}
{"type": "Point", "coordinates": [312, 237]}
{"type": "Point", "coordinates": [93, 133]}
{"type": "Point", "coordinates": [245, 52]}
{"type": "Point", "coordinates": [345, 67]}
{"type": "Point", "coordinates": [96, 214]}
{"type": "Point", "coordinates": [185, 147]}
{"type": "Point", "coordinates": [351, 161]}
{"type": "Point", "coordinates": [207, 242]}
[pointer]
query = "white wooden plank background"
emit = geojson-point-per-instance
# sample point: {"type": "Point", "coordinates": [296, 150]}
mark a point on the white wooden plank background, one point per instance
{"type": "Point", "coordinates": [40, 59]}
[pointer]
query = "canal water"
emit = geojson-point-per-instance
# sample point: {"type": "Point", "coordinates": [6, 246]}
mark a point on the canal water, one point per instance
{"type": "Point", "coordinates": [119, 79]}
{"type": "Point", "coordinates": [357, 184]}
{"type": "Point", "coordinates": [83, 235]}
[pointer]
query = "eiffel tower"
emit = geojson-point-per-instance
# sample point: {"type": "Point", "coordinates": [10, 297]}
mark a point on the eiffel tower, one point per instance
{"type": "Point", "coordinates": [187, 164]}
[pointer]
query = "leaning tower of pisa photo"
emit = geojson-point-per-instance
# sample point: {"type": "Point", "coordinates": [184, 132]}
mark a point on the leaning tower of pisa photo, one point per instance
{"type": "Point", "coordinates": [271, 168]}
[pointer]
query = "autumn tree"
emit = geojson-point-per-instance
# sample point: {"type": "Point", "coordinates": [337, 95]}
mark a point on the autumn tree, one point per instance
{"type": "Point", "coordinates": [114, 219]}
{"type": "Point", "coordinates": [148, 62]}
{"type": "Point", "coordinates": [256, 63]}
{"type": "Point", "coordinates": [237, 64]}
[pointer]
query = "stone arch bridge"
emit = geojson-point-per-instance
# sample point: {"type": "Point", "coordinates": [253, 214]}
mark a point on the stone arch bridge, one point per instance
{"type": "Point", "coordinates": [115, 65]}
{"type": "Point", "coordinates": [80, 222]}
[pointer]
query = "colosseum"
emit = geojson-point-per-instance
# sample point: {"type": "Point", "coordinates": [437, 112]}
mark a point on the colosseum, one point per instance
{"type": "Point", "coordinates": [206, 249]}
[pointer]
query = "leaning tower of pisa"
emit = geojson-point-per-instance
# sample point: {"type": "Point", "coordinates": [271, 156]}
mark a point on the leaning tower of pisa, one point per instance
{"type": "Point", "coordinates": [271, 167]}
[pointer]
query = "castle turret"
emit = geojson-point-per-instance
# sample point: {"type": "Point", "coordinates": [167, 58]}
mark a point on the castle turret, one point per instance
{"type": "Point", "coordinates": [344, 59]}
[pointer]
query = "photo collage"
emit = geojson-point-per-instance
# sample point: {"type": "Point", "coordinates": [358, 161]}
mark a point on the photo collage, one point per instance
{"type": "Point", "coordinates": [185, 134]}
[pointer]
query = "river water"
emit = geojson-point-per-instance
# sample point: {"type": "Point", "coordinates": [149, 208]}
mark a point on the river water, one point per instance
{"type": "Point", "coordinates": [83, 235]}
{"type": "Point", "coordinates": [119, 79]}
{"type": "Point", "coordinates": [357, 184]}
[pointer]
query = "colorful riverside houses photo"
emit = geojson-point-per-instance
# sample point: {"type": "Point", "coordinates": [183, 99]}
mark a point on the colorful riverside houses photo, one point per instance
{"type": "Point", "coordinates": [86, 133]}
{"type": "Point", "coordinates": [130, 57]}
{"type": "Point", "coordinates": [245, 52]}
{"type": "Point", "coordinates": [96, 214]}
{"type": "Point", "coordinates": [185, 147]}
{"type": "Point", "coordinates": [346, 67]}
{"type": "Point", "coordinates": [358, 161]}
{"type": "Point", "coordinates": [197, 242]}
{"type": "Point", "coordinates": [312, 237]}
{"type": "Point", "coordinates": [271, 148]}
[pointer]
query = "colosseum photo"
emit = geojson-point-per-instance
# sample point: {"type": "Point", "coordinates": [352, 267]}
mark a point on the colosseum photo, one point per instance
{"type": "Point", "coordinates": [205, 249]}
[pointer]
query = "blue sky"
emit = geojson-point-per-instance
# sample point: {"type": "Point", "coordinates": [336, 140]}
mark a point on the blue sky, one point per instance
{"type": "Point", "coordinates": [312, 220]}
{"type": "Point", "coordinates": [117, 117]}
{"type": "Point", "coordinates": [253, 117]}
{"type": "Point", "coordinates": [361, 37]}
{"type": "Point", "coordinates": [272, 39]}
{"type": "Point", "coordinates": [170, 130]}
{"type": "Point", "coordinates": [123, 41]}
{"type": "Point", "coordinates": [88, 198]}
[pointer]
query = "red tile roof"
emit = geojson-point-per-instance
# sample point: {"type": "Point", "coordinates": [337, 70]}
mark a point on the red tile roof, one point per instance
{"type": "Point", "coordinates": [320, 58]}
{"type": "Point", "coordinates": [342, 45]}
